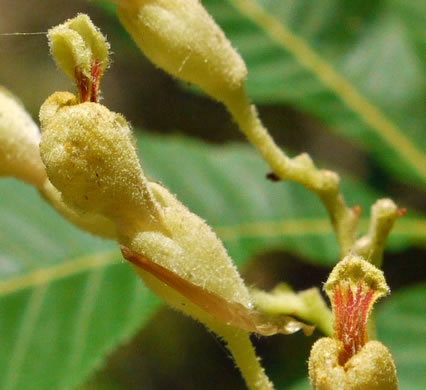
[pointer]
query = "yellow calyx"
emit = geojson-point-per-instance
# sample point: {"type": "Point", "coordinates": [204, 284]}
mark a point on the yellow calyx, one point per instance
{"type": "Point", "coordinates": [371, 369]}
{"type": "Point", "coordinates": [191, 250]}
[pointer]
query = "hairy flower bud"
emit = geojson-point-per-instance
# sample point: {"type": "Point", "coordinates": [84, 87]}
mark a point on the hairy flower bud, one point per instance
{"type": "Point", "coordinates": [81, 51]}
{"type": "Point", "coordinates": [191, 250]}
{"type": "Point", "coordinates": [19, 139]}
{"type": "Point", "coordinates": [180, 37]}
{"type": "Point", "coordinates": [90, 156]}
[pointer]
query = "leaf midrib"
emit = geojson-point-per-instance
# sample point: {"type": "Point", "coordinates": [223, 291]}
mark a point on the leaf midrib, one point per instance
{"type": "Point", "coordinates": [414, 227]}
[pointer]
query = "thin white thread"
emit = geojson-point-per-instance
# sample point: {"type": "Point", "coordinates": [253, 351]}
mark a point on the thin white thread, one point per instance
{"type": "Point", "coordinates": [184, 61]}
{"type": "Point", "coordinates": [23, 33]}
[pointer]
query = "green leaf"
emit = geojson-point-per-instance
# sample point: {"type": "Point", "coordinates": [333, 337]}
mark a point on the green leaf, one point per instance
{"type": "Point", "coordinates": [355, 67]}
{"type": "Point", "coordinates": [412, 13]}
{"type": "Point", "coordinates": [66, 299]}
{"type": "Point", "coordinates": [400, 326]}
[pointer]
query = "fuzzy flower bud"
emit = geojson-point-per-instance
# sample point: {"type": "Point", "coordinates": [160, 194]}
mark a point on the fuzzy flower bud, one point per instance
{"type": "Point", "coordinates": [180, 37]}
{"type": "Point", "coordinates": [19, 139]}
{"type": "Point", "coordinates": [191, 250]}
{"type": "Point", "coordinates": [348, 361]}
{"type": "Point", "coordinates": [90, 156]}
{"type": "Point", "coordinates": [81, 51]}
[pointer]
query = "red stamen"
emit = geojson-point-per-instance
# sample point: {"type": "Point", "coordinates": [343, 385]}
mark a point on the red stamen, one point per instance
{"type": "Point", "coordinates": [365, 308]}
{"type": "Point", "coordinates": [88, 88]}
{"type": "Point", "coordinates": [82, 86]}
{"type": "Point", "coordinates": [96, 72]}
{"type": "Point", "coordinates": [350, 317]}
{"type": "Point", "coordinates": [355, 320]}
{"type": "Point", "coordinates": [352, 322]}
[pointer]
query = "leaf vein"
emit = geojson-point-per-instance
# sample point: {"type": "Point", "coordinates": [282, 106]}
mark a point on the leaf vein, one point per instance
{"type": "Point", "coordinates": [23, 340]}
{"type": "Point", "coordinates": [56, 272]}
{"type": "Point", "coordinates": [79, 338]}
{"type": "Point", "coordinates": [413, 227]}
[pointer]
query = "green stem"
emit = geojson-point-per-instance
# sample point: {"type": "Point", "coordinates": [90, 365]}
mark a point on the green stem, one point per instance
{"type": "Point", "coordinates": [301, 169]}
{"type": "Point", "coordinates": [384, 213]}
{"type": "Point", "coordinates": [308, 305]}
{"type": "Point", "coordinates": [242, 350]}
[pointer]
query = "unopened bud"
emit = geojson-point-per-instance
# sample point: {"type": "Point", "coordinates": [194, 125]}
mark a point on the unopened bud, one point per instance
{"type": "Point", "coordinates": [180, 37]}
{"type": "Point", "coordinates": [81, 51]}
{"type": "Point", "coordinates": [192, 250]}
{"type": "Point", "coordinates": [90, 157]}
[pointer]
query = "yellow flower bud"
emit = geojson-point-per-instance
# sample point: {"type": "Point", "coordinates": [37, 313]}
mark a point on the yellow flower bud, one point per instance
{"type": "Point", "coordinates": [191, 250]}
{"type": "Point", "coordinates": [19, 139]}
{"type": "Point", "coordinates": [180, 37]}
{"type": "Point", "coordinates": [90, 157]}
{"type": "Point", "coordinates": [81, 51]}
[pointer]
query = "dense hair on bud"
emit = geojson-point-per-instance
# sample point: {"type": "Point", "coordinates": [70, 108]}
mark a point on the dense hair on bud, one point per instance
{"type": "Point", "coordinates": [90, 156]}
{"type": "Point", "coordinates": [82, 52]}
{"type": "Point", "coordinates": [371, 369]}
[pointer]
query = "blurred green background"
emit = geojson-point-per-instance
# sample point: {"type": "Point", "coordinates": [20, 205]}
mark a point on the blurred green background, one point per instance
{"type": "Point", "coordinates": [105, 328]}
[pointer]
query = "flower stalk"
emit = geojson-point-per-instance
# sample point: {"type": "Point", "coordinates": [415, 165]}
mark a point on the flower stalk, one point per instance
{"type": "Point", "coordinates": [384, 214]}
